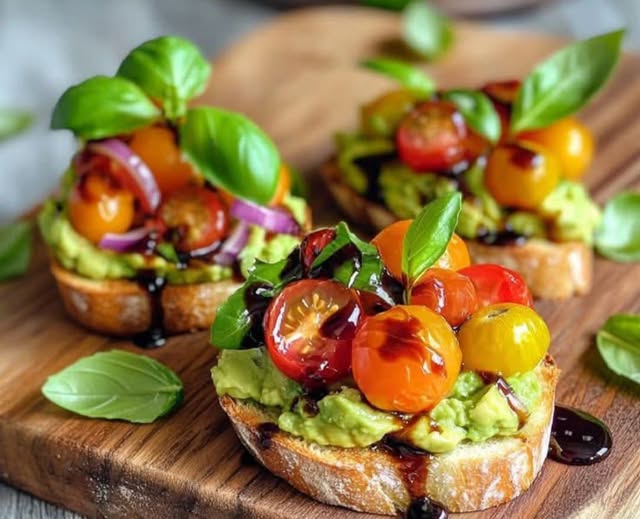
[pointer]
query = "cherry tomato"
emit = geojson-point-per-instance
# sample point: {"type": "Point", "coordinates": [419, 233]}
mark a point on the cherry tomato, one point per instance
{"type": "Point", "coordinates": [405, 359]}
{"type": "Point", "coordinates": [570, 141]}
{"type": "Point", "coordinates": [283, 187]}
{"type": "Point", "coordinates": [389, 244]}
{"type": "Point", "coordinates": [446, 292]}
{"type": "Point", "coordinates": [98, 205]}
{"type": "Point", "coordinates": [196, 217]}
{"type": "Point", "coordinates": [309, 328]}
{"type": "Point", "coordinates": [381, 117]}
{"type": "Point", "coordinates": [157, 147]}
{"type": "Point", "coordinates": [432, 137]}
{"type": "Point", "coordinates": [312, 246]}
{"type": "Point", "coordinates": [497, 284]}
{"type": "Point", "coordinates": [505, 338]}
{"type": "Point", "coordinates": [503, 94]}
{"type": "Point", "coordinates": [521, 174]}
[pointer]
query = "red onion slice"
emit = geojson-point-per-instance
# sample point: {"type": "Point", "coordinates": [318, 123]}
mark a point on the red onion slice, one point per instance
{"type": "Point", "coordinates": [234, 244]}
{"type": "Point", "coordinates": [138, 177]}
{"type": "Point", "coordinates": [274, 220]}
{"type": "Point", "coordinates": [125, 241]}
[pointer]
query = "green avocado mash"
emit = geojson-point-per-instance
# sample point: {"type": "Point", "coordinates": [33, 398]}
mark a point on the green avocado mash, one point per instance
{"type": "Point", "coordinates": [473, 411]}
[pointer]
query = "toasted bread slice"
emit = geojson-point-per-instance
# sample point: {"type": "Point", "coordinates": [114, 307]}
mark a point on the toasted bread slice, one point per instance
{"type": "Point", "coordinates": [473, 476]}
{"type": "Point", "coordinates": [552, 270]}
{"type": "Point", "coordinates": [124, 308]}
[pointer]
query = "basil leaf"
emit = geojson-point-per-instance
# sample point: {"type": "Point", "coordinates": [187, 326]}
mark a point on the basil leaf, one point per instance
{"type": "Point", "coordinates": [412, 78]}
{"type": "Point", "coordinates": [13, 122]}
{"type": "Point", "coordinates": [478, 112]}
{"type": "Point", "coordinates": [619, 344]}
{"type": "Point", "coordinates": [117, 385]}
{"type": "Point", "coordinates": [618, 237]}
{"type": "Point", "coordinates": [169, 69]}
{"type": "Point", "coordinates": [15, 249]}
{"type": "Point", "coordinates": [392, 5]}
{"type": "Point", "coordinates": [425, 30]}
{"type": "Point", "coordinates": [565, 82]}
{"type": "Point", "coordinates": [103, 107]}
{"type": "Point", "coordinates": [231, 152]}
{"type": "Point", "coordinates": [232, 323]}
{"type": "Point", "coordinates": [429, 234]}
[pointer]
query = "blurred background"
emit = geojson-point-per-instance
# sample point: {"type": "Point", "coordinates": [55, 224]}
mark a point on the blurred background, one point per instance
{"type": "Point", "coordinates": [48, 45]}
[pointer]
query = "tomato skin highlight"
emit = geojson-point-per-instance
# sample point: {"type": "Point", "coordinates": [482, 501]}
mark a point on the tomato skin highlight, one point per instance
{"type": "Point", "coordinates": [405, 359]}
{"type": "Point", "coordinates": [309, 329]}
{"type": "Point", "coordinates": [498, 284]}
{"type": "Point", "coordinates": [505, 339]}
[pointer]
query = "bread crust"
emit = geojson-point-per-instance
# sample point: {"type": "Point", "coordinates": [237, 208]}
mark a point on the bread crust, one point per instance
{"type": "Point", "coordinates": [552, 270]}
{"type": "Point", "coordinates": [469, 478]}
{"type": "Point", "coordinates": [124, 308]}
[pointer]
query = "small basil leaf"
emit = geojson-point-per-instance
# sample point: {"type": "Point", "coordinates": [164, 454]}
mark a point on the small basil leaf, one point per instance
{"type": "Point", "coordinates": [15, 249]}
{"type": "Point", "coordinates": [619, 344]}
{"type": "Point", "coordinates": [429, 234]}
{"type": "Point", "coordinates": [412, 78]}
{"type": "Point", "coordinates": [231, 152]}
{"type": "Point", "coordinates": [618, 237]}
{"type": "Point", "coordinates": [392, 5]}
{"type": "Point", "coordinates": [478, 112]}
{"type": "Point", "coordinates": [13, 122]}
{"type": "Point", "coordinates": [233, 322]}
{"type": "Point", "coordinates": [564, 83]}
{"type": "Point", "coordinates": [103, 107]}
{"type": "Point", "coordinates": [426, 31]}
{"type": "Point", "coordinates": [170, 69]}
{"type": "Point", "coordinates": [117, 385]}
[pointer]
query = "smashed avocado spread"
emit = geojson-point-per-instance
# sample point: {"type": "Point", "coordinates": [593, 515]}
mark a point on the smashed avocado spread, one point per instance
{"type": "Point", "coordinates": [473, 411]}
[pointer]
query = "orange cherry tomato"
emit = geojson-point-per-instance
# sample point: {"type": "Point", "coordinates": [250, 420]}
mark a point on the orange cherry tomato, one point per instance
{"type": "Point", "coordinates": [570, 141]}
{"type": "Point", "coordinates": [446, 292]}
{"type": "Point", "coordinates": [381, 117]}
{"type": "Point", "coordinates": [284, 186]}
{"type": "Point", "coordinates": [505, 338]}
{"type": "Point", "coordinates": [498, 284]}
{"type": "Point", "coordinates": [157, 147]}
{"type": "Point", "coordinates": [309, 328]}
{"type": "Point", "coordinates": [521, 174]}
{"type": "Point", "coordinates": [389, 244]}
{"type": "Point", "coordinates": [405, 359]}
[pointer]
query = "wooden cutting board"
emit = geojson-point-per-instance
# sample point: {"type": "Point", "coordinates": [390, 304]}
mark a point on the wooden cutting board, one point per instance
{"type": "Point", "coordinates": [296, 77]}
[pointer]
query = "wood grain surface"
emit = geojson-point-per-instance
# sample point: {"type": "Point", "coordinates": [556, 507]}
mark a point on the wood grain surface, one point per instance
{"type": "Point", "coordinates": [296, 78]}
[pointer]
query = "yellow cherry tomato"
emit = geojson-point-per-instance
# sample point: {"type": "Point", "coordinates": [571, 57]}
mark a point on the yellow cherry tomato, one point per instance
{"type": "Point", "coordinates": [381, 117]}
{"type": "Point", "coordinates": [505, 338]}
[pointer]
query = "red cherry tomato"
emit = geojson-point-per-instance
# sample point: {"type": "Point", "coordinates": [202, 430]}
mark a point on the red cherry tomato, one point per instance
{"type": "Point", "coordinates": [313, 244]}
{"type": "Point", "coordinates": [196, 217]}
{"type": "Point", "coordinates": [432, 137]}
{"type": "Point", "coordinates": [309, 328]}
{"type": "Point", "coordinates": [497, 284]}
{"type": "Point", "coordinates": [448, 293]}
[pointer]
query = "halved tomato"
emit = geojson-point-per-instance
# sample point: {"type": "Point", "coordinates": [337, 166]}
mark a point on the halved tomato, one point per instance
{"type": "Point", "coordinates": [309, 328]}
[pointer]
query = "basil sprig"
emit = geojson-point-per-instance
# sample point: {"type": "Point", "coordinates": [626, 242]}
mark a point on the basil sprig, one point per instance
{"type": "Point", "coordinates": [117, 385]}
{"type": "Point", "coordinates": [478, 112]}
{"type": "Point", "coordinates": [13, 122]}
{"type": "Point", "coordinates": [428, 236]}
{"type": "Point", "coordinates": [169, 69]}
{"type": "Point", "coordinates": [231, 152]}
{"type": "Point", "coordinates": [619, 344]}
{"type": "Point", "coordinates": [102, 107]}
{"type": "Point", "coordinates": [564, 83]}
{"type": "Point", "coordinates": [15, 249]}
{"type": "Point", "coordinates": [618, 237]}
{"type": "Point", "coordinates": [410, 77]}
{"type": "Point", "coordinates": [425, 30]}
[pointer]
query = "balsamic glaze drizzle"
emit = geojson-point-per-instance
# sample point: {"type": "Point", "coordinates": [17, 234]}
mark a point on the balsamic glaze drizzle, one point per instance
{"type": "Point", "coordinates": [153, 284]}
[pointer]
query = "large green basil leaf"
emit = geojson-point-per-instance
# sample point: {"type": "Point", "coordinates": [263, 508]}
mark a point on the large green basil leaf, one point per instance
{"type": "Point", "coordinates": [231, 152]}
{"type": "Point", "coordinates": [426, 31]}
{"type": "Point", "coordinates": [15, 249]}
{"type": "Point", "coordinates": [429, 234]}
{"type": "Point", "coordinates": [618, 237]}
{"type": "Point", "coordinates": [478, 112]}
{"type": "Point", "coordinates": [619, 344]}
{"type": "Point", "coordinates": [13, 122]}
{"type": "Point", "coordinates": [564, 83]}
{"type": "Point", "coordinates": [169, 69]}
{"type": "Point", "coordinates": [410, 77]}
{"type": "Point", "coordinates": [103, 107]}
{"type": "Point", "coordinates": [117, 385]}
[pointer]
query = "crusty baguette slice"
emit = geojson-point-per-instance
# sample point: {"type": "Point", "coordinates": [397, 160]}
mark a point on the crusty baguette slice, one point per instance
{"type": "Point", "coordinates": [123, 308]}
{"type": "Point", "coordinates": [471, 477]}
{"type": "Point", "coordinates": [552, 270]}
